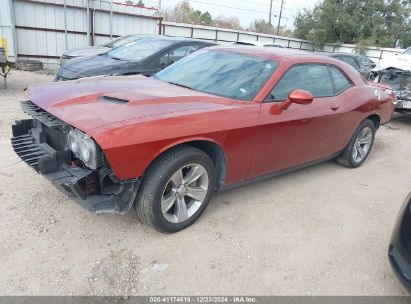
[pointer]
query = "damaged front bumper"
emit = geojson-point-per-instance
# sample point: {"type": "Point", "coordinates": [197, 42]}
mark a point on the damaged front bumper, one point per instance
{"type": "Point", "coordinates": [41, 142]}
{"type": "Point", "coordinates": [80, 185]}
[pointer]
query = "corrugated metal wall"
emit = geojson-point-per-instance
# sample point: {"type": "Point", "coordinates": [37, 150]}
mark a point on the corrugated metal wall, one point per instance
{"type": "Point", "coordinates": [46, 28]}
{"type": "Point", "coordinates": [228, 36]}
{"type": "Point", "coordinates": [6, 26]}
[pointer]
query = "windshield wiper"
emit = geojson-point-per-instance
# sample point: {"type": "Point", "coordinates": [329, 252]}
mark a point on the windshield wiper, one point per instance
{"type": "Point", "coordinates": [180, 85]}
{"type": "Point", "coordinates": [111, 56]}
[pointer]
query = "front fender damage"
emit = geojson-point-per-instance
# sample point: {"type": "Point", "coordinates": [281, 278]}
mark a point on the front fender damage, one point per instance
{"type": "Point", "coordinates": [42, 144]}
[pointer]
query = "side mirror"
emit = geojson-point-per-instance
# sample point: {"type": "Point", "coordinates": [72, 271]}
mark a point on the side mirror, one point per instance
{"type": "Point", "coordinates": [300, 97]}
{"type": "Point", "coordinates": [297, 96]}
{"type": "Point", "coordinates": [373, 65]}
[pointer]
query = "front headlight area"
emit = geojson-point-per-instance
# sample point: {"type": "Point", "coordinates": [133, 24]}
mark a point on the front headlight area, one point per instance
{"type": "Point", "coordinates": [84, 148]}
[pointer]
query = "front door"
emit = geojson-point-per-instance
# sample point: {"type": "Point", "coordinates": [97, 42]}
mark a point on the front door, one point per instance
{"type": "Point", "coordinates": [301, 133]}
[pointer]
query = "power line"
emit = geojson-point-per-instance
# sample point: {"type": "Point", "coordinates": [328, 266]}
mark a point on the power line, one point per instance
{"type": "Point", "coordinates": [227, 6]}
{"type": "Point", "coordinates": [248, 2]}
{"type": "Point", "coordinates": [242, 9]}
{"type": "Point", "coordinates": [284, 16]}
{"type": "Point", "coordinates": [233, 7]}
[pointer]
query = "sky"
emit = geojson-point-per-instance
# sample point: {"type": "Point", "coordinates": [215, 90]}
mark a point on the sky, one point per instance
{"type": "Point", "coordinates": [245, 10]}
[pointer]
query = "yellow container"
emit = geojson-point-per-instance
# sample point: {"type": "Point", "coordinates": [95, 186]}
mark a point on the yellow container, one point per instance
{"type": "Point", "coordinates": [5, 68]}
{"type": "Point", "coordinates": [3, 44]}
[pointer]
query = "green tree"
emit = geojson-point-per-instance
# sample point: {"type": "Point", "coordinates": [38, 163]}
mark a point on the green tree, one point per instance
{"type": "Point", "coordinates": [377, 22]}
{"type": "Point", "coordinates": [227, 22]}
{"type": "Point", "coordinates": [140, 3]}
{"type": "Point", "coordinates": [262, 26]}
{"type": "Point", "coordinates": [184, 13]}
{"type": "Point", "coordinates": [206, 19]}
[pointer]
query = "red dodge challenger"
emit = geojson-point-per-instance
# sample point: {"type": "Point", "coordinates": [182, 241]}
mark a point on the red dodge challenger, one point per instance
{"type": "Point", "coordinates": [220, 117]}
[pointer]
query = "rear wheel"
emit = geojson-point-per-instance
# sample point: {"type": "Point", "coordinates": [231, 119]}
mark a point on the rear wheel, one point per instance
{"type": "Point", "coordinates": [176, 189]}
{"type": "Point", "coordinates": [359, 146]}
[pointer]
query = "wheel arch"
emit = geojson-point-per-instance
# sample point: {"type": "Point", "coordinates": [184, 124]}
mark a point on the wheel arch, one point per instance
{"type": "Point", "coordinates": [210, 147]}
{"type": "Point", "coordinates": [375, 118]}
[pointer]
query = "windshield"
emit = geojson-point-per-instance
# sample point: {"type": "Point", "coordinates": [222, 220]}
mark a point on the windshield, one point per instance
{"type": "Point", "coordinates": [221, 73]}
{"type": "Point", "coordinates": [115, 43]}
{"type": "Point", "coordinates": [364, 60]}
{"type": "Point", "coordinates": [407, 51]}
{"type": "Point", "coordinates": [139, 50]}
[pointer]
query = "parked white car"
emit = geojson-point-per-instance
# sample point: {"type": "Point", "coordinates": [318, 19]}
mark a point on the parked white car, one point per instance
{"type": "Point", "coordinates": [401, 61]}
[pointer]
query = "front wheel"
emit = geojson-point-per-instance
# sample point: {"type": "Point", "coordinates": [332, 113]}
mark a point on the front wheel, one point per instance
{"type": "Point", "coordinates": [359, 146]}
{"type": "Point", "coordinates": [176, 189]}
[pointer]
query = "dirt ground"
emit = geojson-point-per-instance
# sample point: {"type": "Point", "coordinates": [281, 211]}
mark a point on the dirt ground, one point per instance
{"type": "Point", "coordinates": [323, 230]}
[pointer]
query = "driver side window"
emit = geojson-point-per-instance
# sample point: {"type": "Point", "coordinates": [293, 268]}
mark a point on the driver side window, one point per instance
{"type": "Point", "coordinates": [313, 78]}
{"type": "Point", "coordinates": [164, 60]}
{"type": "Point", "coordinates": [177, 54]}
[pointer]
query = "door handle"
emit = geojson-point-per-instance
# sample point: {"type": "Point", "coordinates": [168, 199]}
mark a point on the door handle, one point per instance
{"type": "Point", "coordinates": [335, 107]}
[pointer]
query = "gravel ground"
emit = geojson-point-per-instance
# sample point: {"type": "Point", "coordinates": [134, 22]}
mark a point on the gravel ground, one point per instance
{"type": "Point", "coordinates": [323, 230]}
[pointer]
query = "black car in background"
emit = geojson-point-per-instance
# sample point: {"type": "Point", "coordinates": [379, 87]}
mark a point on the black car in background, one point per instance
{"type": "Point", "coordinates": [96, 50]}
{"type": "Point", "coordinates": [361, 63]}
{"type": "Point", "coordinates": [399, 252]}
{"type": "Point", "coordinates": [144, 56]}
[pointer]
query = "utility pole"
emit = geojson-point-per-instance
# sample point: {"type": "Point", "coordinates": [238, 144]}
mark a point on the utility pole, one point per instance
{"type": "Point", "coordinates": [159, 5]}
{"type": "Point", "coordinates": [279, 17]}
{"type": "Point", "coordinates": [88, 22]}
{"type": "Point", "coordinates": [269, 16]}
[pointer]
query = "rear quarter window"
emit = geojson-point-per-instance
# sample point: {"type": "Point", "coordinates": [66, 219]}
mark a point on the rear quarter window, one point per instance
{"type": "Point", "coordinates": [341, 83]}
{"type": "Point", "coordinates": [351, 61]}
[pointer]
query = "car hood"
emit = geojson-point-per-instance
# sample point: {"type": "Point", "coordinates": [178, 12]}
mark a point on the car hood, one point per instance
{"type": "Point", "coordinates": [94, 102]}
{"type": "Point", "coordinates": [86, 51]}
{"type": "Point", "coordinates": [92, 66]}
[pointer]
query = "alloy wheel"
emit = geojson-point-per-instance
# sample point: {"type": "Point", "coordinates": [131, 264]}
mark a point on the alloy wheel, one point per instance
{"type": "Point", "coordinates": [362, 144]}
{"type": "Point", "coordinates": [184, 193]}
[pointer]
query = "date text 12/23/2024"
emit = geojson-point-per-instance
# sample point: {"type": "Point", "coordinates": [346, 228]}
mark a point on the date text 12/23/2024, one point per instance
{"type": "Point", "coordinates": [203, 299]}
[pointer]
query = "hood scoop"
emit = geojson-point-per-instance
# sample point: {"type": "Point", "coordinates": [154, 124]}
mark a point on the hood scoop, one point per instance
{"type": "Point", "coordinates": [111, 99]}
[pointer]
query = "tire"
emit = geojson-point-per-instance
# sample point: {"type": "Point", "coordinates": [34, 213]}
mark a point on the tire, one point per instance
{"type": "Point", "coordinates": [347, 157]}
{"type": "Point", "coordinates": [159, 186]}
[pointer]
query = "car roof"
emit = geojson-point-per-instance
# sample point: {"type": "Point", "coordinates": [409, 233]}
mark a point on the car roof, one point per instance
{"type": "Point", "coordinates": [256, 43]}
{"type": "Point", "coordinates": [285, 54]}
{"type": "Point", "coordinates": [270, 53]}
{"type": "Point", "coordinates": [343, 54]}
{"type": "Point", "coordinates": [249, 42]}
